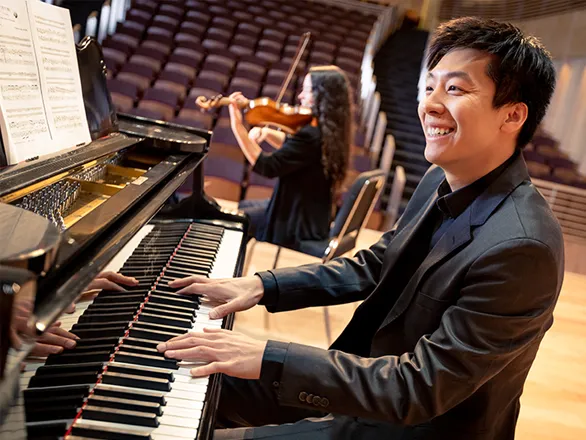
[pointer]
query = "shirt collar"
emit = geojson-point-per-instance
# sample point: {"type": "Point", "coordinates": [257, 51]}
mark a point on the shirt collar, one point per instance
{"type": "Point", "coordinates": [452, 204]}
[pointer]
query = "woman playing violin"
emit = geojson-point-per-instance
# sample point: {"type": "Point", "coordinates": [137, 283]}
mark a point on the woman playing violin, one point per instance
{"type": "Point", "coordinates": [310, 164]}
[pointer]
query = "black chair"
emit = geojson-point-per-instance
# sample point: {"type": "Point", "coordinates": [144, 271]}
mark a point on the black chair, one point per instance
{"type": "Point", "coordinates": [350, 219]}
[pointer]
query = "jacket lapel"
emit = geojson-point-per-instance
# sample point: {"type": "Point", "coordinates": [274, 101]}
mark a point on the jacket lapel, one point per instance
{"type": "Point", "coordinates": [460, 232]}
{"type": "Point", "coordinates": [402, 239]}
{"type": "Point", "coordinates": [457, 235]}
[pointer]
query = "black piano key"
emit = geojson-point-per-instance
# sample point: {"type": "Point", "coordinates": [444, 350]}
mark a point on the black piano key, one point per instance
{"type": "Point", "coordinates": [178, 264]}
{"type": "Point", "coordinates": [184, 273]}
{"type": "Point", "coordinates": [162, 327]}
{"type": "Point", "coordinates": [91, 412]}
{"type": "Point", "coordinates": [97, 341]}
{"type": "Point", "coordinates": [179, 301]}
{"type": "Point", "coordinates": [200, 243]}
{"type": "Point", "coordinates": [82, 357]}
{"type": "Point", "coordinates": [60, 369]}
{"type": "Point", "coordinates": [137, 273]}
{"type": "Point", "coordinates": [165, 320]}
{"type": "Point", "coordinates": [127, 404]}
{"type": "Point", "coordinates": [81, 326]}
{"type": "Point", "coordinates": [192, 261]}
{"type": "Point", "coordinates": [195, 253]}
{"type": "Point", "coordinates": [194, 300]}
{"type": "Point", "coordinates": [130, 393]}
{"type": "Point", "coordinates": [143, 359]}
{"type": "Point", "coordinates": [147, 333]}
{"type": "Point", "coordinates": [141, 370]}
{"type": "Point", "coordinates": [100, 332]}
{"type": "Point", "coordinates": [106, 317]}
{"type": "Point", "coordinates": [54, 411]}
{"type": "Point", "coordinates": [82, 432]}
{"type": "Point", "coordinates": [105, 295]}
{"type": "Point", "coordinates": [51, 380]}
{"type": "Point", "coordinates": [45, 402]}
{"type": "Point", "coordinates": [112, 302]}
{"type": "Point", "coordinates": [58, 391]}
{"type": "Point", "coordinates": [170, 311]}
{"type": "Point", "coordinates": [139, 342]}
{"type": "Point", "coordinates": [194, 243]}
{"type": "Point", "coordinates": [111, 308]}
{"type": "Point", "coordinates": [48, 429]}
{"type": "Point", "coordinates": [136, 381]}
{"type": "Point", "coordinates": [141, 350]}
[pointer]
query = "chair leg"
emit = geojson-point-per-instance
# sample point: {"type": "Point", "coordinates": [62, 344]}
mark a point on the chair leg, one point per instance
{"type": "Point", "coordinates": [328, 328]}
{"type": "Point", "coordinates": [277, 257]}
{"type": "Point", "coordinates": [249, 254]}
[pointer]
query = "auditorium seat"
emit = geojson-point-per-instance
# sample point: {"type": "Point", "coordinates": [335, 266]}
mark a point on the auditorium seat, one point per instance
{"type": "Point", "coordinates": [194, 118]}
{"type": "Point", "coordinates": [223, 177]}
{"type": "Point", "coordinates": [259, 187]}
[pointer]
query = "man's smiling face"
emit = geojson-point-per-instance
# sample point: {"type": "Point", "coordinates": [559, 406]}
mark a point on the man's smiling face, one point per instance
{"type": "Point", "coordinates": [457, 114]}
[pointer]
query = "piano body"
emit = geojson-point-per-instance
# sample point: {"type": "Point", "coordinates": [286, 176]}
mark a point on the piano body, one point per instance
{"type": "Point", "coordinates": [109, 205]}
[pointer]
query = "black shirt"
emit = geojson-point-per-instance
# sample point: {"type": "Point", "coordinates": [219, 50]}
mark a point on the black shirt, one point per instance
{"type": "Point", "coordinates": [300, 208]}
{"type": "Point", "coordinates": [447, 208]}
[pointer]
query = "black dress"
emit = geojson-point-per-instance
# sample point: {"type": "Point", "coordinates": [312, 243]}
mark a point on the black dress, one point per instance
{"type": "Point", "coordinates": [300, 208]}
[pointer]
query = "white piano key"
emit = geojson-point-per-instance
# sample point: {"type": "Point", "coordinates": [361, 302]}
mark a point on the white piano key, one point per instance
{"type": "Point", "coordinates": [184, 403]}
{"type": "Point", "coordinates": [124, 254]}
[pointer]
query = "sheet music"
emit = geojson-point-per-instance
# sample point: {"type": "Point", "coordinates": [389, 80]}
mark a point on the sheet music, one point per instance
{"type": "Point", "coordinates": [41, 101]}
{"type": "Point", "coordinates": [60, 82]}
{"type": "Point", "coordinates": [22, 116]}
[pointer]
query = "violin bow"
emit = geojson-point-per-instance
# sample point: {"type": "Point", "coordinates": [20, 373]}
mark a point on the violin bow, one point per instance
{"type": "Point", "coordinates": [303, 42]}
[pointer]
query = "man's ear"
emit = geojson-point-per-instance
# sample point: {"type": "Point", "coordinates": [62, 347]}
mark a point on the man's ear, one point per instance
{"type": "Point", "coordinates": [515, 117]}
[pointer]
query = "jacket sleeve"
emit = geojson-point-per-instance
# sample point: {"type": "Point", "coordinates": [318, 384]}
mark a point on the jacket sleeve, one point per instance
{"type": "Point", "coordinates": [340, 281]}
{"type": "Point", "coordinates": [505, 305]}
{"type": "Point", "coordinates": [298, 151]}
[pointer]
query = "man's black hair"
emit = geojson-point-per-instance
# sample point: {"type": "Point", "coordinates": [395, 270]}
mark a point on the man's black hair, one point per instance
{"type": "Point", "coordinates": [521, 68]}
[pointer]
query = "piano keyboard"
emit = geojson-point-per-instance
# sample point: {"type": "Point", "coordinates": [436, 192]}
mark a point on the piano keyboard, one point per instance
{"type": "Point", "coordinates": [114, 384]}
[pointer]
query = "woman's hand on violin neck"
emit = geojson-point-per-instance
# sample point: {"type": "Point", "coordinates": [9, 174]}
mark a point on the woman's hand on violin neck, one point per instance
{"type": "Point", "coordinates": [237, 100]}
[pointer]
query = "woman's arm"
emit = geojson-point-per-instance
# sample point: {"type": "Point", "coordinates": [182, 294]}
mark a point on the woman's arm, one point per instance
{"type": "Point", "coordinates": [275, 138]}
{"type": "Point", "coordinates": [249, 147]}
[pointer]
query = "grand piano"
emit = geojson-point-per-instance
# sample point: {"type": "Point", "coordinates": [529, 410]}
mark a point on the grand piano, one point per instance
{"type": "Point", "coordinates": [109, 205]}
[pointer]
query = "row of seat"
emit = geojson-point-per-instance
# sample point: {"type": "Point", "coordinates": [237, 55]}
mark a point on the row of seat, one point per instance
{"type": "Point", "coordinates": [157, 70]}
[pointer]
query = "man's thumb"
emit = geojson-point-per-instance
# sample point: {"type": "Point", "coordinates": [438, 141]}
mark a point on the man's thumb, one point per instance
{"type": "Point", "coordinates": [225, 309]}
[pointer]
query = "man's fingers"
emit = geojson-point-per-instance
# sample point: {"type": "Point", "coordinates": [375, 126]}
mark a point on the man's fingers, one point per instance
{"type": "Point", "coordinates": [57, 340]}
{"type": "Point", "coordinates": [182, 282]}
{"type": "Point", "coordinates": [61, 332]}
{"type": "Point", "coordinates": [44, 350]}
{"type": "Point", "coordinates": [201, 353]}
{"type": "Point", "coordinates": [219, 312]}
{"type": "Point", "coordinates": [118, 278]}
{"type": "Point", "coordinates": [105, 284]}
{"type": "Point", "coordinates": [190, 342]}
{"type": "Point", "coordinates": [209, 369]}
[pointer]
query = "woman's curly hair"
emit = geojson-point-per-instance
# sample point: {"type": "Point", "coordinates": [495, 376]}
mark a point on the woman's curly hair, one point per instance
{"type": "Point", "coordinates": [332, 105]}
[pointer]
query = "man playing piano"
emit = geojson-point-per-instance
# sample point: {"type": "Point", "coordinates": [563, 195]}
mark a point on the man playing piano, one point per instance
{"type": "Point", "coordinates": [456, 298]}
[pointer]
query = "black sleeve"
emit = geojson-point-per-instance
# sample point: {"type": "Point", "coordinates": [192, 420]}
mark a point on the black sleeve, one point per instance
{"type": "Point", "coordinates": [505, 306]}
{"type": "Point", "coordinates": [298, 151]}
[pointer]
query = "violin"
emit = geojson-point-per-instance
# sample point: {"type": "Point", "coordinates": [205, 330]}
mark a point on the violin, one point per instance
{"type": "Point", "coordinates": [266, 111]}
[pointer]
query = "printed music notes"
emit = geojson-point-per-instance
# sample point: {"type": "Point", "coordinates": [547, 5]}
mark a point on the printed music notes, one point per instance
{"type": "Point", "coordinates": [41, 102]}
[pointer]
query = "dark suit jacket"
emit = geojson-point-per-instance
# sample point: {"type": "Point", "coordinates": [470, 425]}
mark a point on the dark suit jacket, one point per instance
{"type": "Point", "coordinates": [455, 345]}
{"type": "Point", "coordinates": [300, 208]}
